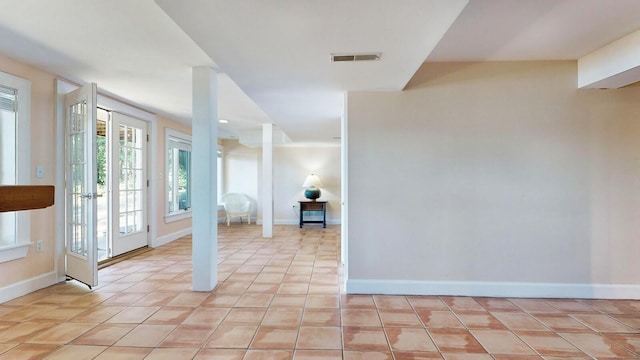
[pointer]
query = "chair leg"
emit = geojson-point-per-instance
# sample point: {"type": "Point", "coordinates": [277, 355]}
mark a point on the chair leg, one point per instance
{"type": "Point", "coordinates": [228, 221]}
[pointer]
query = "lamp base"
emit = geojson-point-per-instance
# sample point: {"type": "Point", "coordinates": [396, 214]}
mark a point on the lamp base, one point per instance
{"type": "Point", "coordinates": [312, 194]}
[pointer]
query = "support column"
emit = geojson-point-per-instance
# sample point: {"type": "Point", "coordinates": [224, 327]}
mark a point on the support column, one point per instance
{"type": "Point", "coordinates": [344, 185]}
{"type": "Point", "coordinates": [204, 177]}
{"type": "Point", "coordinates": [267, 180]}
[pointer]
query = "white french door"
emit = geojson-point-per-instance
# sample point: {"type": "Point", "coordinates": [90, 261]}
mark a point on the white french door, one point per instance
{"type": "Point", "coordinates": [80, 189]}
{"type": "Point", "coordinates": [129, 179]}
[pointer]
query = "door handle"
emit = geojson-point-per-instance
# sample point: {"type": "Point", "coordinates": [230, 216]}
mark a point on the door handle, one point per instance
{"type": "Point", "coordinates": [91, 196]}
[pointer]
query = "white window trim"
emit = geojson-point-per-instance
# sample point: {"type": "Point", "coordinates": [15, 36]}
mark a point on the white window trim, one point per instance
{"type": "Point", "coordinates": [185, 214]}
{"type": "Point", "coordinates": [23, 156]}
{"type": "Point", "coordinates": [220, 175]}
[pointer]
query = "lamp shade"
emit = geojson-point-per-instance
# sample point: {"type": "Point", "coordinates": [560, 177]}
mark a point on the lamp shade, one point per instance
{"type": "Point", "coordinates": [312, 181]}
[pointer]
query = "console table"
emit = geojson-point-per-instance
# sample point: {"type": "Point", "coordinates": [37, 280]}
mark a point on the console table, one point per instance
{"type": "Point", "coordinates": [315, 206]}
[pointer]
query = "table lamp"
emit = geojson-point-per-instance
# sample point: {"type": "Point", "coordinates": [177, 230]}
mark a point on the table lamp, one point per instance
{"type": "Point", "coordinates": [312, 184]}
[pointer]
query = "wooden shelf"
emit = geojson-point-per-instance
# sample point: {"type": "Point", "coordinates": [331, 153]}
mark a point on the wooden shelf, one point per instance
{"type": "Point", "coordinates": [25, 197]}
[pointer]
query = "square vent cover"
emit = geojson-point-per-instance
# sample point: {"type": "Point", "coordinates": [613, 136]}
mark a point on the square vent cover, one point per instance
{"type": "Point", "coordinates": [355, 57]}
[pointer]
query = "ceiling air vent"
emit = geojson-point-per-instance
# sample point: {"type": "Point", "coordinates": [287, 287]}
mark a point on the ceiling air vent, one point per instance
{"type": "Point", "coordinates": [355, 57]}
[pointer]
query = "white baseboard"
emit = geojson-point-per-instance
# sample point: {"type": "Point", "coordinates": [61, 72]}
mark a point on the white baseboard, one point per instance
{"type": "Point", "coordinates": [285, 222]}
{"type": "Point", "coordinates": [297, 222]}
{"type": "Point", "coordinates": [27, 286]}
{"type": "Point", "coordinates": [494, 289]}
{"type": "Point", "coordinates": [169, 238]}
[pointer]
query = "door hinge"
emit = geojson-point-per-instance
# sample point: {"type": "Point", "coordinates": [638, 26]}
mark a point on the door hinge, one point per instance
{"type": "Point", "coordinates": [147, 228]}
{"type": "Point", "coordinates": [147, 137]}
{"type": "Point", "coordinates": [147, 183]}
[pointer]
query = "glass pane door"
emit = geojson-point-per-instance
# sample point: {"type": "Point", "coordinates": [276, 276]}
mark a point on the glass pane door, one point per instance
{"type": "Point", "coordinates": [131, 176]}
{"type": "Point", "coordinates": [81, 185]}
{"type": "Point", "coordinates": [79, 209]}
{"type": "Point", "coordinates": [131, 179]}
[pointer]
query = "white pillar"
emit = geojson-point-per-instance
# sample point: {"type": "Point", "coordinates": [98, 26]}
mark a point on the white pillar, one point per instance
{"type": "Point", "coordinates": [267, 180]}
{"type": "Point", "coordinates": [204, 196]}
{"type": "Point", "coordinates": [344, 185]}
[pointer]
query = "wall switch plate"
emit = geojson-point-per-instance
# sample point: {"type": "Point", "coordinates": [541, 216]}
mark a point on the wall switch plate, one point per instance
{"type": "Point", "coordinates": [39, 245]}
{"type": "Point", "coordinates": [39, 171]}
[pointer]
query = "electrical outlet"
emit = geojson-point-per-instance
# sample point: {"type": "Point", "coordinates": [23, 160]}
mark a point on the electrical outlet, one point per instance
{"type": "Point", "coordinates": [39, 245]}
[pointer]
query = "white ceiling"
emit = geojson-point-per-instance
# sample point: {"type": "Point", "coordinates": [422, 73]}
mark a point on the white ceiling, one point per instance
{"type": "Point", "coordinates": [278, 51]}
{"type": "Point", "coordinates": [273, 55]}
{"type": "Point", "coordinates": [131, 49]}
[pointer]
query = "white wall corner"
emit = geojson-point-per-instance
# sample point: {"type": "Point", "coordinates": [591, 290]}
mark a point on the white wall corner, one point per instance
{"type": "Point", "coordinates": [612, 66]}
{"type": "Point", "coordinates": [267, 180]}
{"type": "Point", "coordinates": [494, 289]}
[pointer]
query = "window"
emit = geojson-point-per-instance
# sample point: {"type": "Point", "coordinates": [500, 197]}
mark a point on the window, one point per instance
{"type": "Point", "coordinates": [8, 124]}
{"type": "Point", "coordinates": [15, 156]}
{"type": "Point", "coordinates": [178, 174]}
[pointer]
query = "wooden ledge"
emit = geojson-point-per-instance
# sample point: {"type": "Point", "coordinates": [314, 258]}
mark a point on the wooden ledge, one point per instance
{"type": "Point", "coordinates": [25, 197]}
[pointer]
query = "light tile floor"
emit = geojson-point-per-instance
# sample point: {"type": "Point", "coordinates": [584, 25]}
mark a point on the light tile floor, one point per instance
{"type": "Point", "coordinates": [281, 299]}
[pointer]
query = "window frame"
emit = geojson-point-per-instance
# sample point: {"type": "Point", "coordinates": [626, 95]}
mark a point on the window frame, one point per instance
{"type": "Point", "coordinates": [178, 136]}
{"type": "Point", "coordinates": [22, 156]}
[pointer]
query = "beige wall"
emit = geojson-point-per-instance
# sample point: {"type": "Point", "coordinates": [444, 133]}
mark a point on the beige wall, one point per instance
{"type": "Point", "coordinates": [291, 166]}
{"type": "Point", "coordinates": [43, 150]}
{"type": "Point", "coordinates": [499, 174]}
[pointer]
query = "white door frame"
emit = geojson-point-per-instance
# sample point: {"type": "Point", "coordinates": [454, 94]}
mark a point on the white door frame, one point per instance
{"type": "Point", "coordinates": [63, 87]}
